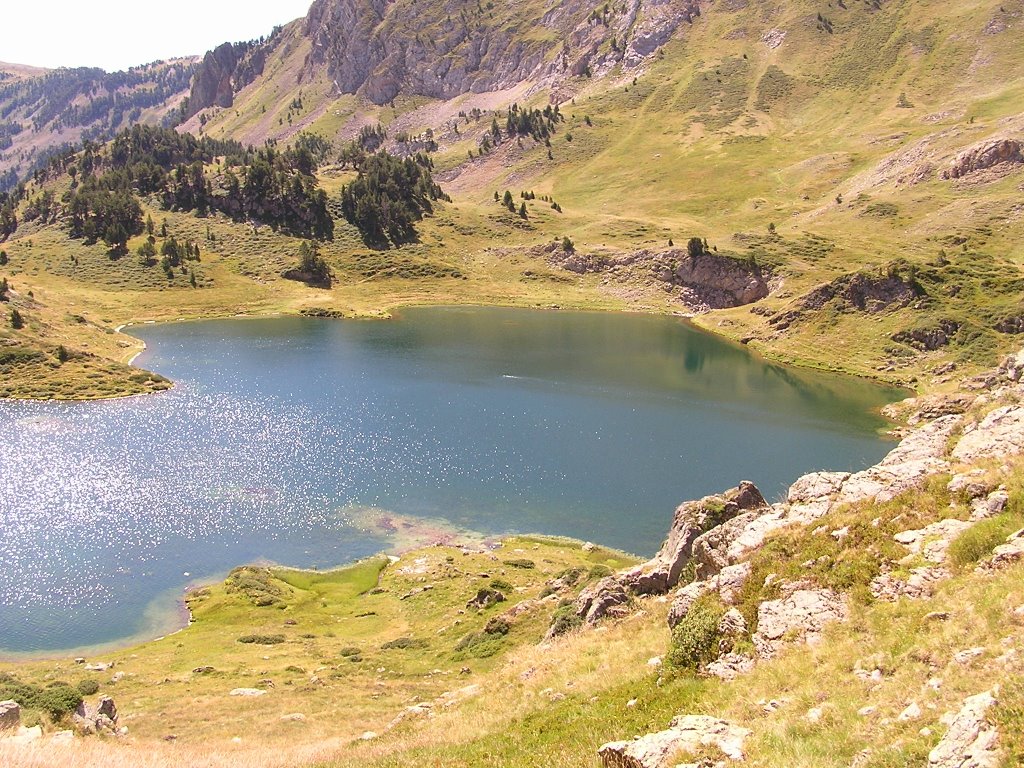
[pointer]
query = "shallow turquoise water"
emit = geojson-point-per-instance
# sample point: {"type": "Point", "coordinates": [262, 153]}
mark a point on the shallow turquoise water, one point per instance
{"type": "Point", "coordinates": [281, 430]}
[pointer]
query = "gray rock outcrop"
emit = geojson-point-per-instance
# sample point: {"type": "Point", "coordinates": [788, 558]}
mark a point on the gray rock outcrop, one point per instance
{"type": "Point", "coordinates": [993, 152]}
{"type": "Point", "coordinates": [10, 716]}
{"type": "Point", "coordinates": [803, 614]}
{"type": "Point", "coordinates": [1000, 433]}
{"type": "Point", "coordinates": [690, 521]}
{"type": "Point", "coordinates": [687, 733]}
{"type": "Point", "coordinates": [971, 741]}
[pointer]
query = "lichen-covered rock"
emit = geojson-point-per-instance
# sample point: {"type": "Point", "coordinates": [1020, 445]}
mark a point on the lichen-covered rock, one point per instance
{"type": "Point", "coordinates": [800, 615]}
{"type": "Point", "coordinates": [690, 520]}
{"type": "Point", "coordinates": [971, 741]}
{"type": "Point", "coordinates": [999, 434]}
{"type": "Point", "coordinates": [10, 716]}
{"type": "Point", "coordinates": [919, 455]}
{"type": "Point", "coordinates": [989, 153]}
{"type": "Point", "coordinates": [687, 733]}
{"type": "Point", "coordinates": [921, 584]}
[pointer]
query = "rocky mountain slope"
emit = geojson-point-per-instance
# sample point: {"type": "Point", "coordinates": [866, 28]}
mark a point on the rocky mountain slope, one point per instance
{"type": "Point", "coordinates": [42, 110]}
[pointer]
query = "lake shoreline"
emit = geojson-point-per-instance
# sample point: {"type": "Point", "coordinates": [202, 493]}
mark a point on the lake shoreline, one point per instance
{"type": "Point", "coordinates": [392, 313]}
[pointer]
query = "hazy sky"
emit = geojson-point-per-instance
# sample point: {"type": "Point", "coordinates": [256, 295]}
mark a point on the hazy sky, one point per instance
{"type": "Point", "coordinates": [116, 34]}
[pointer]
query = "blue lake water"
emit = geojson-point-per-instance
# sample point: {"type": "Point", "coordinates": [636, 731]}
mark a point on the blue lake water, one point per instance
{"type": "Point", "coordinates": [282, 433]}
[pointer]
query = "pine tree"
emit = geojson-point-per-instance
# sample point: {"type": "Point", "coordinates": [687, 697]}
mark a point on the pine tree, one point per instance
{"type": "Point", "coordinates": [17, 321]}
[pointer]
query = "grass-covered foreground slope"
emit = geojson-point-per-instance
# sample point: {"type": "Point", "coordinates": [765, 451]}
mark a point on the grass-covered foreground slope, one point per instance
{"type": "Point", "coordinates": [863, 159]}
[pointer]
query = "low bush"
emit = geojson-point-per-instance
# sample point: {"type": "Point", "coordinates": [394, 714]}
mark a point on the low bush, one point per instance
{"type": "Point", "coordinates": [404, 643]}
{"type": "Point", "coordinates": [978, 541]}
{"type": "Point", "coordinates": [695, 639]}
{"type": "Point", "coordinates": [262, 639]}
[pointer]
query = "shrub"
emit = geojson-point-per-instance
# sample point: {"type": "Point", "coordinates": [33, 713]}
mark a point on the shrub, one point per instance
{"type": "Point", "coordinates": [262, 639]}
{"type": "Point", "coordinates": [87, 687]}
{"type": "Point", "coordinates": [695, 639]}
{"type": "Point", "coordinates": [56, 700]}
{"type": "Point", "coordinates": [501, 585]}
{"type": "Point", "coordinates": [978, 541]}
{"type": "Point", "coordinates": [520, 563]}
{"type": "Point", "coordinates": [564, 619]}
{"type": "Point", "coordinates": [350, 651]}
{"type": "Point", "coordinates": [404, 643]}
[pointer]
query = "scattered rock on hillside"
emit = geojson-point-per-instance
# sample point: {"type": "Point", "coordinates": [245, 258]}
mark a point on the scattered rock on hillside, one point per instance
{"type": "Point", "coordinates": [1000, 433]}
{"type": "Point", "coordinates": [933, 540]}
{"type": "Point", "coordinates": [921, 584]}
{"type": "Point", "coordinates": [485, 598]}
{"type": "Point", "coordinates": [247, 692]}
{"type": "Point", "coordinates": [10, 715]}
{"type": "Point", "coordinates": [690, 520]}
{"type": "Point", "coordinates": [990, 506]}
{"type": "Point", "coordinates": [971, 741]}
{"type": "Point", "coordinates": [920, 454]}
{"type": "Point", "coordinates": [804, 614]}
{"type": "Point", "coordinates": [729, 666]}
{"type": "Point", "coordinates": [687, 733]}
{"type": "Point", "coordinates": [1007, 153]}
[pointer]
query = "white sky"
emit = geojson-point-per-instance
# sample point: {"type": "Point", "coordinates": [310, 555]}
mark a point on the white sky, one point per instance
{"type": "Point", "coordinates": [117, 34]}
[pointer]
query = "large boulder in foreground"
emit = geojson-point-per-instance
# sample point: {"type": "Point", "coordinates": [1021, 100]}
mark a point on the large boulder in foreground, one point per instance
{"type": "Point", "coordinates": [10, 716]}
{"type": "Point", "coordinates": [687, 733]}
{"type": "Point", "coordinates": [691, 520]}
{"type": "Point", "coordinates": [971, 741]}
{"type": "Point", "coordinates": [803, 614]}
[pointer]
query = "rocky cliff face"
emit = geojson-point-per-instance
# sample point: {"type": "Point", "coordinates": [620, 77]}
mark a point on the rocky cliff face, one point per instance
{"type": "Point", "coordinates": [702, 282]}
{"type": "Point", "coordinates": [224, 71]}
{"type": "Point", "coordinates": [380, 48]}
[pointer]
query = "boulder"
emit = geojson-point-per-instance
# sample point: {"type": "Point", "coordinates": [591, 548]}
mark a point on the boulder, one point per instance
{"type": "Point", "coordinates": [247, 692]}
{"type": "Point", "coordinates": [731, 580]}
{"type": "Point", "coordinates": [804, 614]}
{"type": "Point", "coordinates": [999, 434]}
{"type": "Point", "coordinates": [971, 741]}
{"type": "Point", "coordinates": [485, 598]}
{"type": "Point", "coordinates": [107, 708]}
{"type": "Point", "coordinates": [921, 454]}
{"type": "Point", "coordinates": [10, 716]}
{"type": "Point", "coordinates": [729, 666]}
{"type": "Point", "coordinates": [687, 733]}
{"type": "Point", "coordinates": [600, 600]}
{"type": "Point", "coordinates": [691, 519]}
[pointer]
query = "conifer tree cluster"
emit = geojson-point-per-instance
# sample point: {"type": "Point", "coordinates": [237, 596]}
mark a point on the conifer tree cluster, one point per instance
{"type": "Point", "coordinates": [389, 196]}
